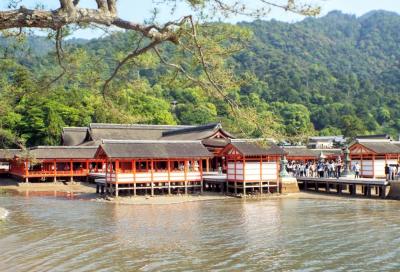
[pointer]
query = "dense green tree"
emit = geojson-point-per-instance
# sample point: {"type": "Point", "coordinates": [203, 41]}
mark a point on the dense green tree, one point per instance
{"type": "Point", "coordinates": [337, 74]}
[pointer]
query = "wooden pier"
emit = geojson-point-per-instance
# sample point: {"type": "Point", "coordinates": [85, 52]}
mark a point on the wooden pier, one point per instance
{"type": "Point", "coordinates": [352, 187]}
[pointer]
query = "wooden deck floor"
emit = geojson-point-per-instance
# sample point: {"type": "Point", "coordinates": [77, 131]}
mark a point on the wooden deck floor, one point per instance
{"type": "Point", "coordinates": [364, 187]}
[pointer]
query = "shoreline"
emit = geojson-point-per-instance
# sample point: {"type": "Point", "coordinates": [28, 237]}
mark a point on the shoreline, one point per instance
{"type": "Point", "coordinates": [87, 191]}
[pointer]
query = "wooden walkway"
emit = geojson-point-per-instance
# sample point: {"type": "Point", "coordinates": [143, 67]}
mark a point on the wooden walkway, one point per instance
{"type": "Point", "coordinates": [353, 187]}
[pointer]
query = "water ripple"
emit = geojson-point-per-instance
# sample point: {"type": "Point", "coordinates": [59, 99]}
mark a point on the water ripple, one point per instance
{"type": "Point", "coordinates": [48, 234]}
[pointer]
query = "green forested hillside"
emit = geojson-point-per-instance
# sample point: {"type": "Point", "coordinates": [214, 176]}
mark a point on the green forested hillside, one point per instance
{"type": "Point", "coordinates": [331, 75]}
{"type": "Point", "coordinates": [344, 69]}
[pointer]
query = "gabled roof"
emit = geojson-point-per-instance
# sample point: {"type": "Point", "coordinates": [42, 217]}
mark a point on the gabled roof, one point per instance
{"type": "Point", "coordinates": [379, 147]}
{"type": "Point", "coordinates": [142, 149]}
{"type": "Point", "coordinates": [302, 151]}
{"type": "Point", "coordinates": [216, 142]}
{"type": "Point", "coordinates": [8, 154]}
{"type": "Point", "coordinates": [374, 137]}
{"type": "Point", "coordinates": [196, 132]}
{"type": "Point", "coordinates": [63, 152]}
{"type": "Point", "coordinates": [247, 147]}
{"type": "Point", "coordinates": [129, 132]}
{"type": "Point", "coordinates": [73, 135]}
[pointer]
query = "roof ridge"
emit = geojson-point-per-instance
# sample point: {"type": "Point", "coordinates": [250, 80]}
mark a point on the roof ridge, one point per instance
{"type": "Point", "coordinates": [134, 126]}
{"type": "Point", "coordinates": [192, 129]}
{"type": "Point", "coordinates": [75, 128]}
{"type": "Point", "coordinates": [61, 146]}
{"type": "Point", "coordinates": [110, 141]}
{"type": "Point", "coordinates": [244, 140]}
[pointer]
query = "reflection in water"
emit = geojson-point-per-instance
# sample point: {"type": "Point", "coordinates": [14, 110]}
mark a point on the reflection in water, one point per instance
{"type": "Point", "coordinates": [47, 233]}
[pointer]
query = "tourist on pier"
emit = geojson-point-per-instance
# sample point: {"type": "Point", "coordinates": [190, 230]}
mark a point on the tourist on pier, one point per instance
{"type": "Point", "coordinates": [289, 168]}
{"type": "Point", "coordinates": [320, 169]}
{"type": "Point", "coordinates": [326, 169]}
{"type": "Point", "coordinates": [357, 170]}
{"type": "Point", "coordinates": [391, 172]}
{"type": "Point", "coordinates": [308, 165]}
{"type": "Point", "coordinates": [302, 170]}
{"type": "Point", "coordinates": [314, 170]}
{"type": "Point", "coordinates": [338, 169]}
{"type": "Point", "coordinates": [387, 172]}
{"type": "Point", "coordinates": [297, 169]}
{"type": "Point", "coordinates": [332, 169]}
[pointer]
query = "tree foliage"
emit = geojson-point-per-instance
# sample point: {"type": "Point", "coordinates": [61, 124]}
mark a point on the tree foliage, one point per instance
{"type": "Point", "coordinates": [332, 75]}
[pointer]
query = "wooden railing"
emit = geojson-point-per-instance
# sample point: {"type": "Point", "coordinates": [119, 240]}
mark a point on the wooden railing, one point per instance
{"type": "Point", "coordinates": [58, 173]}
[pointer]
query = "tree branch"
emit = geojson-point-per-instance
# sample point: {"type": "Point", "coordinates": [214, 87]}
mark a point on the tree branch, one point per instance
{"type": "Point", "coordinates": [69, 14]}
{"type": "Point", "coordinates": [132, 55]}
{"type": "Point", "coordinates": [102, 5]}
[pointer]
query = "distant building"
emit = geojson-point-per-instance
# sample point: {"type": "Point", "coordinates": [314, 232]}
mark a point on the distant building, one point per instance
{"type": "Point", "coordinates": [325, 142]}
{"type": "Point", "coordinates": [373, 138]}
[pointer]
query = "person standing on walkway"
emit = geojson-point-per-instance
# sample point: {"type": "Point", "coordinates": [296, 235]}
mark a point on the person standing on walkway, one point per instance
{"type": "Point", "coordinates": [338, 169]}
{"type": "Point", "coordinates": [357, 170]}
{"type": "Point", "coordinates": [320, 168]}
{"type": "Point", "coordinates": [387, 172]}
{"type": "Point", "coordinates": [392, 171]}
{"type": "Point", "coordinates": [333, 168]}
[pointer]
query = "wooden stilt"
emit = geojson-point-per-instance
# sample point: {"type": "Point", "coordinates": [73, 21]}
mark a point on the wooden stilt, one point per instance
{"type": "Point", "coordinates": [261, 176]}
{"type": "Point", "coordinates": [134, 177]}
{"type": "Point", "coordinates": [26, 169]}
{"type": "Point", "coordinates": [186, 170]}
{"type": "Point", "coordinates": [244, 176]}
{"type": "Point", "coordinates": [169, 176]}
{"type": "Point", "coordinates": [116, 177]}
{"type": "Point", "coordinates": [152, 177]}
{"type": "Point", "coordinates": [201, 176]}
{"type": "Point", "coordinates": [55, 170]}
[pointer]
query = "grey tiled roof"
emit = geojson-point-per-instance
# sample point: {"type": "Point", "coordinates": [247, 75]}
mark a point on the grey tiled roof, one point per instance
{"type": "Point", "coordinates": [129, 132]}
{"type": "Point", "coordinates": [154, 149]}
{"type": "Point", "coordinates": [74, 135]}
{"type": "Point", "coordinates": [382, 147]}
{"type": "Point", "coordinates": [302, 151]}
{"type": "Point", "coordinates": [7, 154]}
{"type": "Point", "coordinates": [63, 152]}
{"type": "Point", "coordinates": [257, 148]}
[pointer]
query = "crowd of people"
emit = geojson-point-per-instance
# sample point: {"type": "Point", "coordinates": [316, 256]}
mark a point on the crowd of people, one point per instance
{"type": "Point", "coordinates": [391, 171]}
{"type": "Point", "coordinates": [321, 169]}
{"type": "Point", "coordinates": [332, 169]}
